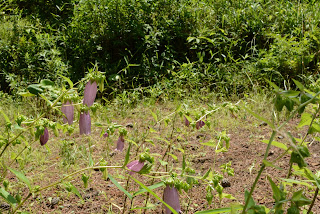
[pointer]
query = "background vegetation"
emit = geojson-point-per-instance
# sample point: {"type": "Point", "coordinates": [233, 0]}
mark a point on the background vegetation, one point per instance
{"type": "Point", "coordinates": [222, 46]}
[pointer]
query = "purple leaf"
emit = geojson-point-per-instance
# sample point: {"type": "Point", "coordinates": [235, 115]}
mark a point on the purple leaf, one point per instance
{"type": "Point", "coordinates": [90, 93]}
{"type": "Point", "coordinates": [85, 123]}
{"type": "Point", "coordinates": [199, 124]}
{"type": "Point", "coordinates": [120, 143]}
{"type": "Point", "coordinates": [186, 122]}
{"type": "Point", "coordinates": [135, 166]}
{"type": "Point", "coordinates": [45, 137]}
{"type": "Point", "coordinates": [171, 197]}
{"type": "Point", "coordinates": [68, 110]}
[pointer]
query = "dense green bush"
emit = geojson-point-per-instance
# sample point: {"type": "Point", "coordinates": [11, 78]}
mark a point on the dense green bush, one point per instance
{"type": "Point", "coordinates": [226, 46]}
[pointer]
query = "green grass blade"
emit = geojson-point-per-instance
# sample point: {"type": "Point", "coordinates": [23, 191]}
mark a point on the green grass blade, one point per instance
{"type": "Point", "coordinates": [119, 186]}
{"type": "Point", "coordinates": [220, 210]}
{"type": "Point", "coordinates": [154, 186]}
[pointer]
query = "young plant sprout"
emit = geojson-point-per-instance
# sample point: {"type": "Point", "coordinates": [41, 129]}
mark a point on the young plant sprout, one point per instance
{"type": "Point", "coordinates": [120, 142]}
{"type": "Point", "coordinates": [171, 197]}
{"type": "Point", "coordinates": [68, 110]}
{"type": "Point", "coordinates": [135, 166]}
{"type": "Point", "coordinates": [85, 123]}
{"type": "Point", "coordinates": [199, 124]}
{"type": "Point", "coordinates": [90, 93]}
{"type": "Point", "coordinates": [45, 137]}
{"type": "Point", "coordinates": [186, 122]}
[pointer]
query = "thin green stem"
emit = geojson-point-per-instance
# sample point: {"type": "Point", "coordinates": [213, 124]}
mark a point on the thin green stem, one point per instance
{"type": "Point", "coordinates": [16, 209]}
{"type": "Point", "coordinates": [313, 200]}
{"type": "Point", "coordinates": [259, 173]}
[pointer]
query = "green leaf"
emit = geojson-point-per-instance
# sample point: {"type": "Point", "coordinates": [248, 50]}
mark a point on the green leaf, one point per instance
{"type": "Point", "coordinates": [154, 186]}
{"type": "Point", "coordinates": [259, 117]}
{"type": "Point", "coordinates": [44, 97]}
{"type": "Point", "coordinates": [220, 210]}
{"type": "Point", "coordinates": [173, 156]}
{"type": "Point", "coordinates": [26, 94]}
{"type": "Point", "coordinates": [68, 80]}
{"type": "Point", "coordinates": [120, 187]}
{"type": "Point", "coordinates": [275, 189]}
{"type": "Point", "coordinates": [75, 191]}
{"type": "Point", "coordinates": [267, 163]}
{"type": "Point", "coordinates": [46, 82]}
{"type": "Point", "coordinates": [306, 119]}
{"type": "Point", "coordinates": [154, 194]}
{"type": "Point", "coordinates": [299, 199]}
{"type": "Point", "coordinates": [5, 116]}
{"type": "Point", "coordinates": [210, 143]}
{"type": "Point", "coordinates": [276, 144]}
{"type": "Point", "coordinates": [154, 116]}
{"type": "Point", "coordinates": [297, 182]}
{"type": "Point", "coordinates": [273, 85]}
{"type": "Point", "coordinates": [6, 196]}
{"type": "Point", "coordinates": [207, 174]}
{"type": "Point", "coordinates": [126, 159]}
{"type": "Point", "coordinates": [35, 89]}
{"type": "Point", "coordinates": [298, 84]}
{"type": "Point", "coordinates": [21, 177]}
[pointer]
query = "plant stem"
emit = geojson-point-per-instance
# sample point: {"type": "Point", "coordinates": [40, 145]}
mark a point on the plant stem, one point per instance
{"type": "Point", "coordinates": [313, 200]}
{"type": "Point", "coordinates": [125, 196]}
{"type": "Point", "coordinates": [15, 210]}
{"type": "Point", "coordinates": [259, 173]}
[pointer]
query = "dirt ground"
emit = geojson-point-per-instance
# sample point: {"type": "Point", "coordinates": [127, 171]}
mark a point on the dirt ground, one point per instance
{"type": "Point", "coordinates": [102, 196]}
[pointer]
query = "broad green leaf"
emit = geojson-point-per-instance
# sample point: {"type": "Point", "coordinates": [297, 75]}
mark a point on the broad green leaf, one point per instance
{"type": "Point", "coordinates": [6, 196]}
{"type": "Point", "coordinates": [259, 117]}
{"type": "Point", "coordinates": [154, 194]}
{"type": "Point", "coordinates": [188, 118]}
{"type": "Point", "coordinates": [154, 186]}
{"type": "Point", "coordinates": [273, 85]}
{"type": "Point", "coordinates": [275, 189]}
{"type": "Point", "coordinates": [276, 144]}
{"type": "Point", "coordinates": [300, 199]}
{"type": "Point", "coordinates": [68, 80]}
{"type": "Point", "coordinates": [21, 177]}
{"type": "Point", "coordinates": [35, 89]}
{"type": "Point", "coordinates": [120, 187]}
{"type": "Point", "coordinates": [290, 93]}
{"type": "Point", "coordinates": [298, 84]}
{"type": "Point", "coordinates": [306, 119]}
{"type": "Point", "coordinates": [220, 210]}
{"type": "Point", "coordinates": [46, 82]}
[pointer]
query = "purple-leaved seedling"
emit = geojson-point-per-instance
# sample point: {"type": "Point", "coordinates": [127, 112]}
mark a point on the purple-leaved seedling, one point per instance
{"type": "Point", "coordinates": [135, 166]}
{"type": "Point", "coordinates": [199, 124]}
{"type": "Point", "coordinates": [68, 110]}
{"type": "Point", "coordinates": [120, 142]}
{"type": "Point", "coordinates": [45, 137]}
{"type": "Point", "coordinates": [85, 123]}
{"type": "Point", "coordinates": [171, 197]}
{"type": "Point", "coordinates": [90, 93]}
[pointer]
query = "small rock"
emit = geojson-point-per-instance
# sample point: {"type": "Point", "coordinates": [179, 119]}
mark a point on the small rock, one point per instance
{"type": "Point", "coordinates": [225, 183]}
{"type": "Point", "coordinates": [4, 206]}
{"type": "Point", "coordinates": [263, 124]}
{"type": "Point", "coordinates": [129, 125]}
{"type": "Point", "coordinates": [280, 137]}
{"type": "Point", "coordinates": [200, 135]}
{"type": "Point", "coordinates": [271, 153]}
{"type": "Point", "coordinates": [55, 201]}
